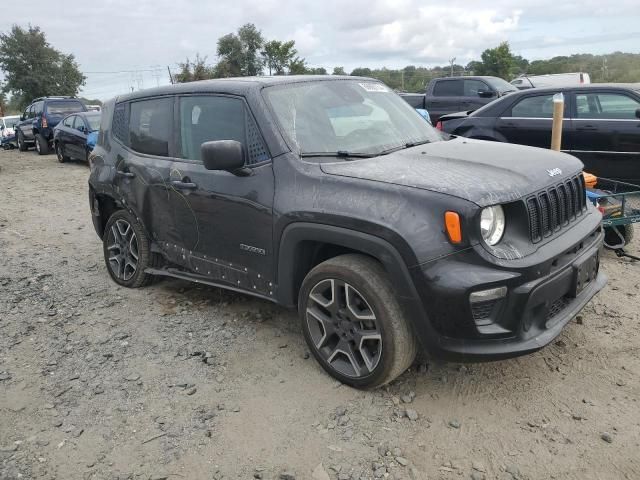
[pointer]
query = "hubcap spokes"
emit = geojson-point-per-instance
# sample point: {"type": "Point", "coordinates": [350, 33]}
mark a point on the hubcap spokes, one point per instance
{"type": "Point", "coordinates": [343, 328]}
{"type": "Point", "coordinates": [123, 250]}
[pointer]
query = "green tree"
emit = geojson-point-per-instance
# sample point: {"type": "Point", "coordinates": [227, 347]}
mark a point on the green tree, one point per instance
{"type": "Point", "coordinates": [497, 61]}
{"type": "Point", "coordinates": [298, 66]}
{"type": "Point", "coordinates": [196, 70]}
{"type": "Point", "coordinates": [338, 71]}
{"type": "Point", "coordinates": [240, 53]}
{"type": "Point", "coordinates": [231, 56]}
{"type": "Point", "coordinates": [252, 42]}
{"type": "Point", "coordinates": [317, 71]}
{"type": "Point", "coordinates": [361, 72]}
{"type": "Point", "coordinates": [278, 55]}
{"type": "Point", "coordinates": [33, 68]}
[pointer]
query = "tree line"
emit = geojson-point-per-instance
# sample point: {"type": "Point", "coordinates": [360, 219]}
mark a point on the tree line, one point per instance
{"type": "Point", "coordinates": [33, 68]}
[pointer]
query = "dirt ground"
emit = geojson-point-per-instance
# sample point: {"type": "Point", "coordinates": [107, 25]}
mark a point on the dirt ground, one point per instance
{"type": "Point", "coordinates": [180, 381]}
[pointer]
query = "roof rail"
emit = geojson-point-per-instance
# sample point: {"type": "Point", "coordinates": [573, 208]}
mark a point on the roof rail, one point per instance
{"type": "Point", "coordinates": [51, 96]}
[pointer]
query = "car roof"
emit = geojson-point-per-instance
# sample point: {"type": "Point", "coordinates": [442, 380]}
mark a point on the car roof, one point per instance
{"type": "Point", "coordinates": [469, 77]}
{"type": "Point", "coordinates": [234, 85]}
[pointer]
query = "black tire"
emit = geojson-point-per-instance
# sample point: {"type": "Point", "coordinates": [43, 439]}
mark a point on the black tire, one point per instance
{"type": "Point", "coordinates": [42, 145]}
{"type": "Point", "coordinates": [60, 153]}
{"type": "Point", "coordinates": [336, 346]}
{"type": "Point", "coordinates": [20, 141]}
{"type": "Point", "coordinates": [612, 236]}
{"type": "Point", "coordinates": [123, 248]}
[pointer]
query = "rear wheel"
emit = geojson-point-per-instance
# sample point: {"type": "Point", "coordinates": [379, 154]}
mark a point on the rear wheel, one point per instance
{"type": "Point", "coordinates": [21, 145]}
{"type": "Point", "coordinates": [42, 145]}
{"type": "Point", "coordinates": [353, 323]}
{"type": "Point", "coordinates": [60, 153]}
{"type": "Point", "coordinates": [127, 252]}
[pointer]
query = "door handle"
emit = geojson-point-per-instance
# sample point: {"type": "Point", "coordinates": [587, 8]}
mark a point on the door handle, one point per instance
{"type": "Point", "coordinates": [183, 185]}
{"type": "Point", "coordinates": [587, 128]}
{"type": "Point", "coordinates": [120, 173]}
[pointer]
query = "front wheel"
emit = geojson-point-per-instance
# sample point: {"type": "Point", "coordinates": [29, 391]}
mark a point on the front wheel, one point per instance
{"type": "Point", "coordinates": [127, 252]}
{"type": "Point", "coordinates": [353, 324]}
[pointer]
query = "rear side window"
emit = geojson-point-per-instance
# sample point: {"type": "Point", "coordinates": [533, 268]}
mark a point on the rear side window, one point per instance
{"type": "Point", "coordinates": [540, 106]}
{"type": "Point", "coordinates": [448, 88]}
{"type": "Point", "coordinates": [68, 122]}
{"type": "Point", "coordinates": [150, 123]}
{"type": "Point", "coordinates": [119, 124]}
{"type": "Point", "coordinates": [208, 118]}
{"type": "Point", "coordinates": [64, 107]}
{"type": "Point", "coordinates": [606, 106]}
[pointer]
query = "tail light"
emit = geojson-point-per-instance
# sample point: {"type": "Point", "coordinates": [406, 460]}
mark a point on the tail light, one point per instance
{"type": "Point", "coordinates": [581, 78]}
{"type": "Point", "coordinates": [439, 125]}
{"type": "Point", "coordinates": [44, 122]}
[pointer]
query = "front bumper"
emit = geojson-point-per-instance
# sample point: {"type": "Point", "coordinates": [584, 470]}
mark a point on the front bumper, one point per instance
{"type": "Point", "coordinates": [540, 300]}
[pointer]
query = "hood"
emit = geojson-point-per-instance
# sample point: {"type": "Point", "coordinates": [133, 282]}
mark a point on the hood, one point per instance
{"type": "Point", "coordinates": [486, 173]}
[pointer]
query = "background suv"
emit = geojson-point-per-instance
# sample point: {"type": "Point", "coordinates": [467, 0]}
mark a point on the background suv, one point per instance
{"type": "Point", "coordinates": [40, 117]}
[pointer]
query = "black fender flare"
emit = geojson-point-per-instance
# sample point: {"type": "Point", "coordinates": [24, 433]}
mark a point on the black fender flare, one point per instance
{"type": "Point", "coordinates": [376, 247]}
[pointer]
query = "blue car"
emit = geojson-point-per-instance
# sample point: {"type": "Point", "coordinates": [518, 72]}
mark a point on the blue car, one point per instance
{"type": "Point", "coordinates": [76, 135]}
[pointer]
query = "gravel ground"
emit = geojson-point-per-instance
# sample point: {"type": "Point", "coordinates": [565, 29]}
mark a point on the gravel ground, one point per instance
{"type": "Point", "coordinates": [179, 381]}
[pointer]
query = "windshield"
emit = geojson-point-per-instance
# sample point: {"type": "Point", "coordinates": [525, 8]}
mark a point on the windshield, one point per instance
{"type": "Point", "coordinates": [349, 116]}
{"type": "Point", "coordinates": [501, 85]}
{"type": "Point", "coordinates": [64, 107]}
{"type": "Point", "coordinates": [94, 122]}
{"type": "Point", "coordinates": [11, 122]}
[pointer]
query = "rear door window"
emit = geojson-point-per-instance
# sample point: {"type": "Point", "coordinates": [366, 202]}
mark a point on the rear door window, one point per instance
{"type": "Point", "coordinates": [606, 106]}
{"type": "Point", "coordinates": [448, 88]}
{"type": "Point", "coordinates": [151, 126]}
{"type": "Point", "coordinates": [64, 107]}
{"type": "Point", "coordinates": [37, 109]}
{"type": "Point", "coordinates": [539, 106]}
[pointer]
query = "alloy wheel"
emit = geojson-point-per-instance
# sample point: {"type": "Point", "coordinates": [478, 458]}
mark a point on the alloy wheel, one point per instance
{"type": "Point", "coordinates": [343, 328]}
{"type": "Point", "coordinates": [123, 250]}
{"type": "Point", "coordinates": [37, 146]}
{"type": "Point", "coordinates": [59, 152]}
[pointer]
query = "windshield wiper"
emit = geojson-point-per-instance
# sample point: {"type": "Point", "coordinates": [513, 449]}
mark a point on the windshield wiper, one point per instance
{"type": "Point", "coordinates": [404, 146]}
{"type": "Point", "coordinates": [338, 154]}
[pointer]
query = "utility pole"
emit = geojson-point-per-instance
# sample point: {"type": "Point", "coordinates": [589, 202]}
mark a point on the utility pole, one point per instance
{"type": "Point", "coordinates": [170, 76]}
{"type": "Point", "coordinates": [451, 62]}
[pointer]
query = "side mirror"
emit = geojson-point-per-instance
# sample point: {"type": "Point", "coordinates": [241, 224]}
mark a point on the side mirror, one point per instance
{"type": "Point", "coordinates": [222, 155]}
{"type": "Point", "coordinates": [22, 118]}
{"type": "Point", "coordinates": [485, 93]}
{"type": "Point", "coordinates": [1, 127]}
{"type": "Point", "coordinates": [638, 112]}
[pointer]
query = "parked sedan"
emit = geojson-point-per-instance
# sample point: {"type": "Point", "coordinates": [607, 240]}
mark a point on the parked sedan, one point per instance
{"type": "Point", "coordinates": [72, 137]}
{"type": "Point", "coordinates": [601, 125]}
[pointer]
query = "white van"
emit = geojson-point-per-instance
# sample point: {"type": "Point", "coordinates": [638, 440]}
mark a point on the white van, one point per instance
{"type": "Point", "coordinates": [553, 80]}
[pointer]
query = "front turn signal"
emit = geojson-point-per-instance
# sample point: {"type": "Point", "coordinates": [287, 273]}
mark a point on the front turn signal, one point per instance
{"type": "Point", "coordinates": [453, 227]}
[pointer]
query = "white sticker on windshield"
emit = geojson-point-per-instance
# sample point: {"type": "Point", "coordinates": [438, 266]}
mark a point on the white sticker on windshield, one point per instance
{"type": "Point", "coordinates": [374, 87]}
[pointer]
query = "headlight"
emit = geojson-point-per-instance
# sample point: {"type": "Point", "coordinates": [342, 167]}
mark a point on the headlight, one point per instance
{"type": "Point", "coordinates": [492, 224]}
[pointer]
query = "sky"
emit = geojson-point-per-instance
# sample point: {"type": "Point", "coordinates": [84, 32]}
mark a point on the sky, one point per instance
{"type": "Point", "coordinates": [123, 45]}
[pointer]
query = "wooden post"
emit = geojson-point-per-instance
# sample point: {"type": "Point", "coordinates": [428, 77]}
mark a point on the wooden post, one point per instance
{"type": "Point", "coordinates": [556, 128]}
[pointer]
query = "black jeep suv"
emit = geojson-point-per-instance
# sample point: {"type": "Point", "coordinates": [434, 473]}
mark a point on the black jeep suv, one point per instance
{"type": "Point", "coordinates": [40, 117]}
{"type": "Point", "coordinates": [333, 195]}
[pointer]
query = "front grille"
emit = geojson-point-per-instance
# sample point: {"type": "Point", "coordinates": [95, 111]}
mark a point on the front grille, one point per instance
{"type": "Point", "coordinates": [556, 207]}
